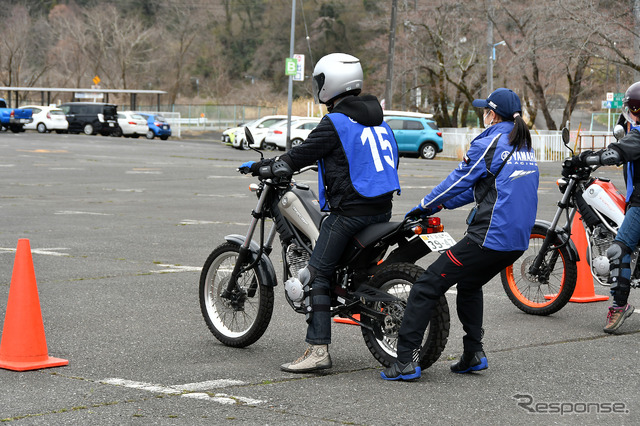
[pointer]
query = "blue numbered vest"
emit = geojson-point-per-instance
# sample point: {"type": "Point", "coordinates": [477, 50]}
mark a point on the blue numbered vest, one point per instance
{"type": "Point", "coordinates": [372, 154]}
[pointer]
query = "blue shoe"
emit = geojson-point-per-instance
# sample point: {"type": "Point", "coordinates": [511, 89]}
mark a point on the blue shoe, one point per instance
{"type": "Point", "coordinates": [399, 371]}
{"type": "Point", "coordinates": [470, 361]}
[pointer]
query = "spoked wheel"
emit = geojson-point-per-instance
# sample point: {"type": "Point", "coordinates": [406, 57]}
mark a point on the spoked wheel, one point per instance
{"type": "Point", "coordinates": [551, 289]}
{"type": "Point", "coordinates": [243, 318]}
{"type": "Point", "coordinates": [397, 279]}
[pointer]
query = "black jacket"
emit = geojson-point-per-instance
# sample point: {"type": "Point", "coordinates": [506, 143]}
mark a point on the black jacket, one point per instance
{"type": "Point", "coordinates": [629, 149]}
{"type": "Point", "coordinates": [323, 143]}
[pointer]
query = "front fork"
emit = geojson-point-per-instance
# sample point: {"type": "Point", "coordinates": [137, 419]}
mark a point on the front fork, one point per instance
{"type": "Point", "coordinates": [552, 234]}
{"type": "Point", "coordinates": [233, 291]}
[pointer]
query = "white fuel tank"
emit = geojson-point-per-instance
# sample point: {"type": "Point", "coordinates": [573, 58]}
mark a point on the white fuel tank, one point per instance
{"type": "Point", "coordinates": [598, 198]}
{"type": "Point", "coordinates": [292, 208]}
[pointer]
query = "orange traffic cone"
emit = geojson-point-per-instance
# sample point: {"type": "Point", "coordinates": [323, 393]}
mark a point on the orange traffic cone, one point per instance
{"type": "Point", "coordinates": [24, 346]}
{"type": "Point", "coordinates": [584, 291]}
{"type": "Point", "coordinates": [347, 320]}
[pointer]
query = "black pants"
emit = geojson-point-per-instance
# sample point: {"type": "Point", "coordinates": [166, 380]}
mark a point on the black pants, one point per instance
{"type": "Point", "coordinates": [466, 264]}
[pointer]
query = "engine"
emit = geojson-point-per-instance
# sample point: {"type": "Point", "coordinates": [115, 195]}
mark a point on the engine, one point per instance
{"type": "Point", "coordinates": [601, 240]}
{"type": "Point", "coordinates": [297, 258]}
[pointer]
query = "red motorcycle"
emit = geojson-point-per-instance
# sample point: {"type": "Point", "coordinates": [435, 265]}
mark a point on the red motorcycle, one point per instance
{"type": "Point", "coordinates": [542, 281]}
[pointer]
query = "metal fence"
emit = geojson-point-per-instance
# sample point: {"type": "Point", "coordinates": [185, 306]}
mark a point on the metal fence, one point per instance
{"type": "Point", "coordinates": [209, 117]}
{"type": "Point", "coordinates": [547, 144]}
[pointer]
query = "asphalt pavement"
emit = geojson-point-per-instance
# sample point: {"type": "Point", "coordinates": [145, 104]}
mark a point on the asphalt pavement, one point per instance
{"type": "Point", "coordinates": [119, 229]}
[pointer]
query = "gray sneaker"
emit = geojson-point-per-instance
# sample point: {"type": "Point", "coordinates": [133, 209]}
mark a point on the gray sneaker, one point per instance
{"type": "Point", "coordinates": [316, 357]}
{"type": "Point", "coordinates": [616, 317]}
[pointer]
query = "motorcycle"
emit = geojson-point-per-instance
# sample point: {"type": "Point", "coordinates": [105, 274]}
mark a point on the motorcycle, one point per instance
{"type": "Point", "coordinates": [372, 280]}
{"type": "Point", "coordinates": [542, 281]}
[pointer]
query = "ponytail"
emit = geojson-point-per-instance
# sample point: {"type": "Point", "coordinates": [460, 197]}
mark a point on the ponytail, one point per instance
{"type": "Point", "coordinates": [520, 134]}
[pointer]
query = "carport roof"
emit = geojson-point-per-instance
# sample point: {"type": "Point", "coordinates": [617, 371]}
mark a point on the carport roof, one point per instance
{"type": "Point", "coordinates": [77, 89]}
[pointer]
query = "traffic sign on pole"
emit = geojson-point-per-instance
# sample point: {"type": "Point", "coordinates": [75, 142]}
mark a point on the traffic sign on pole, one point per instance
{"type": "Point", "coordinates": [291, 66]}
{"type": "Point", "coordinates": [299, 75]}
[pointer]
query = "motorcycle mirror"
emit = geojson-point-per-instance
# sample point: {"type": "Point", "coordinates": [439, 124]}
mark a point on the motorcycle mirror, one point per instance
{"type": "Point", "coordinates": [565, 136]}
{"type": "Point", "coordinates": [248, 136]}
{"type": "Point", "coordinates": [618, 132]}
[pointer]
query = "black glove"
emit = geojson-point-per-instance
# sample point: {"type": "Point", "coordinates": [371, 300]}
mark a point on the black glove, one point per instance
{"type": "Point", "coordinates": [570, 165]}
{"type": "Point", "coordinates": [419, 212]}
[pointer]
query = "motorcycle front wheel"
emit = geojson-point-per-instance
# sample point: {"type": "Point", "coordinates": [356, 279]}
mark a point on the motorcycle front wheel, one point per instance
{"type": "Point", "coordinates": [243, 318]}
{"type": "Point", "coordinates": [397, 279]}
{"type": "Point", "coordinates": [547, 292]}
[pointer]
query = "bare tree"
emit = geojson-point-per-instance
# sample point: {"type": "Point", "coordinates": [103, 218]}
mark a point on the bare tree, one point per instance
{"type": "Point", "coordinates": [548, 52]}
{"type": "Point", "coordinates": [14, 46]}
{"type": "Point", "coordinates": [447, 56]}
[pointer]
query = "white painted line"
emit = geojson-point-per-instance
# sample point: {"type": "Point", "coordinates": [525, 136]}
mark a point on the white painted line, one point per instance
{"type": "Point", "coordinates": [45, 251]}
{"type": "Point", "coordinates": [143, 172]}
{"type": "Point", "coordinates": [79, 212]}
{"type": "Point", "coordinates": [210, 384]}
{"type": "Point", "coordinates": [176, 268]}
{"type": "Point", "coordinates": [123, 190]}
{"type": "Point", "coordinates": [220, 398]}
{"type": "Point", "coordinates": [142, 386]}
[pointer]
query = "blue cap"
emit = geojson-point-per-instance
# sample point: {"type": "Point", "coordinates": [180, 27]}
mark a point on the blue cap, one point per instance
{"type": "Point", "coordinates": [503, 101]}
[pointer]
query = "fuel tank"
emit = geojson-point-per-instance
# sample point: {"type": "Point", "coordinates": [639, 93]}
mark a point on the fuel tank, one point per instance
{"type": "Point", "coordinates": [604, 197]}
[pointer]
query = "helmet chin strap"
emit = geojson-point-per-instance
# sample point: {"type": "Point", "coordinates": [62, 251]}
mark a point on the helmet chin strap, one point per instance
{"type": "Point", "coordinates": [330, 106]}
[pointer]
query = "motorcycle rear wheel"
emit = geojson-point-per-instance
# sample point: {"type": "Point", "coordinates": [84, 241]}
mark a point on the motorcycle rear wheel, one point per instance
{"type": "Point", "coordinates": [242, 320]}
{"type": "Point", "coordinates": [527, 292]}
{"type": "Point", "coordinates": [397, 279]}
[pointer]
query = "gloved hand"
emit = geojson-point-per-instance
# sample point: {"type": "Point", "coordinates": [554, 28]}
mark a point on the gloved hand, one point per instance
{"type": "Point", "coordinates": [420, 212]}
{"type": "Point", "coordinates": [245, 168]}
{"type": "Point", "coordinates": [570, 165]}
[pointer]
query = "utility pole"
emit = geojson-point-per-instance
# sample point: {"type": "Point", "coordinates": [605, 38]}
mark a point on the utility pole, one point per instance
{"type": "Point", "coordinates": [290, 91]}
{"type": "Point", "coordinates": [388, 93]}
{"type": "Point", "coordinates": [490, 48]}
{"type": "Point", "coordinates": [636, 40]}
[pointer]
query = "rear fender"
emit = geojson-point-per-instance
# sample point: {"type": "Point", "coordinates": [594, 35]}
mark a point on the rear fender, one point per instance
{"type": "Point", "coordinates": [563, 236]}
{"type": "Point", "coordinates": [264, 269]}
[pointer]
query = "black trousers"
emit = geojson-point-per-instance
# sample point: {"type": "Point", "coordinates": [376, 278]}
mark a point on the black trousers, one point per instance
{"type": "Point", "coordinates": [470, 266]}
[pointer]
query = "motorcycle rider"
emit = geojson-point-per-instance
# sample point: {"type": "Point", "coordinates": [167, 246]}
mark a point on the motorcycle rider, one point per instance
{"type": "Point", "coordinates": [357, 159]}
{"type": "Point", "coordinates": [499, 172]}
{"type": "Point", "coordinates": [625, 151]}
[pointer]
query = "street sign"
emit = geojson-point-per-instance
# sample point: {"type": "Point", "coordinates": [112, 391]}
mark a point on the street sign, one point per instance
{"type": "Point", "coordinates": [291, 66]}
{"type": "Point", "coordinates": [96, 80]}
{"type": "Point", "coordinates": [299, 75]}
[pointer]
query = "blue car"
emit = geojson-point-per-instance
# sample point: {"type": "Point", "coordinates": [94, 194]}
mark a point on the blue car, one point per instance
{"type": "Point", "coordinates": [415, 133]}
{"type": "Point", "coordinates": [158, 126]}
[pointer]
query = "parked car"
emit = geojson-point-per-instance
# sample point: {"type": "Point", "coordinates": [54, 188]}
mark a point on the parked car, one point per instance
{"type": "Point", "coordinates": [158, 126]}
{"type": "Point", "coordinates": [132, 124]}
{"type": "Point", "coordinates": [300, 129]}
{"type": "Point", "coordinates": [91, 117]}
{"type": "Point", "coordinates": [416, 134]}
{"type": "Point", "coordinates": [46, 119]}
{"type": "Point", "coordinates": [13, 119]}
{"type": "Point", "coordinates": [259, 129]}
{"type": "Point", "coordinates": [229, 135]}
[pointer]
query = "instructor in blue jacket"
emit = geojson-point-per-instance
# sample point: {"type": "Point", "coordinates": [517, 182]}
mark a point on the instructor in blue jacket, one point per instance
{"type": "Point", "coordinates": [499, 174]}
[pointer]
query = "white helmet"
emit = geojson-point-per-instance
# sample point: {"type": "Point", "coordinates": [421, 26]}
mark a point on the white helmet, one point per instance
{"type": "Point", "coordinates": [335, 75]}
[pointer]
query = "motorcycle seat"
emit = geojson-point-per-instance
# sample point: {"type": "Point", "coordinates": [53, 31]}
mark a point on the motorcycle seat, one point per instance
{"type": "Point", "coordinates": [375, 232]}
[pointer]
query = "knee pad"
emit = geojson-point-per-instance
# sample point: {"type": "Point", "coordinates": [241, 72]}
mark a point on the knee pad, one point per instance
{"type": "Point", "coordinates": [317, 299]}
{"type": "Point", "coordinates": [619, 256]}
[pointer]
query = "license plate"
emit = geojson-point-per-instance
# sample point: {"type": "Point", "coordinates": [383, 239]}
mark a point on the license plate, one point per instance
{"type": "Point", "coordinates": [439, 241]}
{"type": "Point", "coordinates": [164, 127]}
{"type": "Point", "coordinates": [110, 124]}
